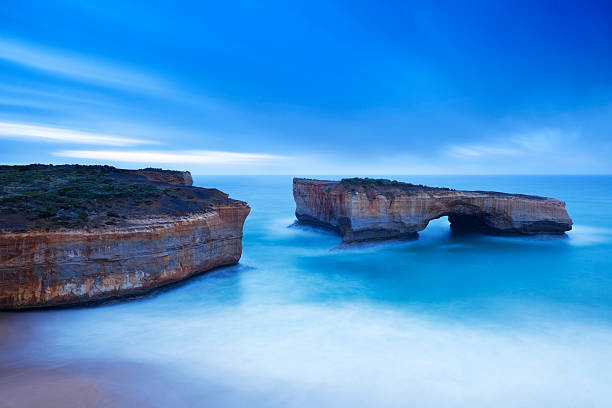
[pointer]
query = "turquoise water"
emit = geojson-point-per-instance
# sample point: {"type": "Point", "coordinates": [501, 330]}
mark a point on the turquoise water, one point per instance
{"type": "Point", "coordinates": [445, 320]}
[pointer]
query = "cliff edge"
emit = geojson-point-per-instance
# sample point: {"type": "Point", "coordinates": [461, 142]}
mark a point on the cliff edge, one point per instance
{"type": "Point", "coordinates": [371, 209]}
{"type": "Point", "coordinates": [74, 234]}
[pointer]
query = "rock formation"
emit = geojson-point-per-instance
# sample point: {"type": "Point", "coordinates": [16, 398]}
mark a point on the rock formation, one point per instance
{"type": "Point", "coordinates": [181, 231]}
{"type": "Point", "coordinates": [370, 209]}
{"type": "Point", "coordinates": [178, 178]}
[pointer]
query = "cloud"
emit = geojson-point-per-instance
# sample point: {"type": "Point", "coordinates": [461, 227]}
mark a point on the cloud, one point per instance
{"type": "Point", "coordinates": [544, 140]}
{"type": "Point", "coordinates": [54, 134]}
{"type": "Point", "coordinates": [189, 156]}
{"type": "Point", "coordinates": [77, 67]}
{"type": "Point", "coordinates": [475, 151]}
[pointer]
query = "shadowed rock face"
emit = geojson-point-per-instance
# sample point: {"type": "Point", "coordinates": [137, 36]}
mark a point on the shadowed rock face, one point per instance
{"type": "Point", "coordinates": [366, 209]}
{"type": "Point", "coordinates": [181, 232]}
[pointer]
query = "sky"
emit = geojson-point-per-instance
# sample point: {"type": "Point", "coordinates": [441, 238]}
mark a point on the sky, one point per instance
{"type": "Point", "coordinates": [314, 87]}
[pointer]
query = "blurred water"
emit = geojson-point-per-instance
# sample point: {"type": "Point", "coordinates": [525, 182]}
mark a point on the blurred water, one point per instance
{"type": "Point", "coordinates": [444, 320]}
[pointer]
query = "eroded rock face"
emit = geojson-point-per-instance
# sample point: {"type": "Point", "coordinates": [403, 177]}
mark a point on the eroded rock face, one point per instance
{"type": "Point", "coordinates": [72, 234]}
{"type": "Point", "coordinates": [365, 209]}
{"type": "Point", "coordinates": [40, 269]}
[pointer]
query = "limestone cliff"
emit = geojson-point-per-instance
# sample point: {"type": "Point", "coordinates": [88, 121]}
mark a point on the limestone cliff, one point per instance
{"type": "Point", "coordinates": [367, 209]}
{"type": "Point", "coordinates": [138, 246]}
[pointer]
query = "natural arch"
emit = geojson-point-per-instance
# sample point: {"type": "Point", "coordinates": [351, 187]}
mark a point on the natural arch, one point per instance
{"type": "Point", "coordinates": [365, 209]}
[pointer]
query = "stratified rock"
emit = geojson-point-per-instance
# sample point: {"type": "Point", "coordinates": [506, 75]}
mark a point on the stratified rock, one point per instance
{"type": "Point", "coordinates": [129, 248]}
{"type": "Point", "coordinates": [371, 209]}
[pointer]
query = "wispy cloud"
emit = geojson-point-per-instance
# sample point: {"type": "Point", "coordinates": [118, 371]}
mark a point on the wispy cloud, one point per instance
{"type": "Point", "coordinates": [544, 140]}
{"type": "Point", "coordinates": [475, 151]}
{"type": "Point", "coordinates": [77, 67]}
{"type": "Point", "coordinates": [54, 134]}
{"type": "Point", "coordinates": [515, 144]}
{"type": "Point", "coordinates": [189, 156]}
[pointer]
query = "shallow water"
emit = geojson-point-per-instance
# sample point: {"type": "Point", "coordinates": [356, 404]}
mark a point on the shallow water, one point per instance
{"type": "Point", "coordinates": [445, 320]}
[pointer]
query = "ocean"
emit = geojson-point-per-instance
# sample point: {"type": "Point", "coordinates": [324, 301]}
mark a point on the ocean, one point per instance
{"type": "Point", "coordinates": [445, 320]}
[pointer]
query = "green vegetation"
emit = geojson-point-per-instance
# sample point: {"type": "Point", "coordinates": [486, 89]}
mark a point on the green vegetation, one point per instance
{"type": "Point", "coordinates": [160, 170]}
{"type": "Point", "coordinates": [73, 196]}
{"type": "Point", "coordinates": [371, 182]}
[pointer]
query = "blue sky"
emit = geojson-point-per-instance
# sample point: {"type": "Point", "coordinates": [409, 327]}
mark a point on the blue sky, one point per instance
{"type": "Point", "coordinates": [336, 87]}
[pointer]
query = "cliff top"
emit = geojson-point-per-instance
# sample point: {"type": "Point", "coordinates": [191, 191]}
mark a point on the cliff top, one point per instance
{"type": "Point", "coordinates": [372, 186]}
{"type": "Point", "coordinates": [387, 184]}
{"type": "Point", "coordinates": [48, 197]}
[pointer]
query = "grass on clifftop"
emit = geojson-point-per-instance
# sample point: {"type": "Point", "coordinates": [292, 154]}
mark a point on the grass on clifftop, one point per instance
{"type": "Point", "coordinates": [371, 182]}
{"type": "Point", "coordinates": [73, 196]}
{"type": "Point", "coordinates": [391, 187]}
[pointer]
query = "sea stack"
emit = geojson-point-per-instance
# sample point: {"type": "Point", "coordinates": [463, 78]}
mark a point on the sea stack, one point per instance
{"type": "Point", "coordinates": [76, 234]}
{"type": "Point", "coordinates": [376, 209]}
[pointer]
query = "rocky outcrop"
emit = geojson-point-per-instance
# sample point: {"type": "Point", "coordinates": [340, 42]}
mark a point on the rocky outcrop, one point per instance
{"type": "Point", "coordinates": [64, 267]}
{"type": "Point", "coordinates": [173, 238]}
{"type": "Point", "coordinates": [367, 209]}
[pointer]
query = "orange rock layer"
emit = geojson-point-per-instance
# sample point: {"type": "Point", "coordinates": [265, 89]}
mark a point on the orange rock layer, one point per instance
{"type": "Point", "coordinates": [39, 269]}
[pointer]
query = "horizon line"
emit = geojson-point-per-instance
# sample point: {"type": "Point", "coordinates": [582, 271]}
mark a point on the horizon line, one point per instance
{"type": "Point", "coordinates": [298, 174]}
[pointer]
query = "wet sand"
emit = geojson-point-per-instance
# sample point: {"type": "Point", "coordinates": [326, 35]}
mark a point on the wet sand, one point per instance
{"type": "Point", "coordinates": [96, 385]}
{"type": "Point", "coordinates": [25, 387]}
{"type": "Point", "coordinates": [33, 379]}
{"type": "Point", "coordinates": [41, 382]}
